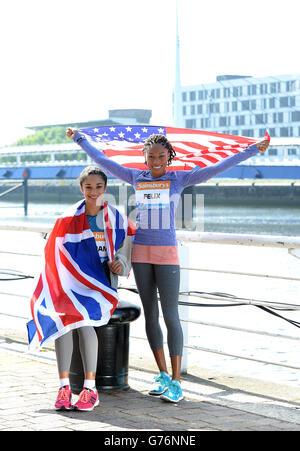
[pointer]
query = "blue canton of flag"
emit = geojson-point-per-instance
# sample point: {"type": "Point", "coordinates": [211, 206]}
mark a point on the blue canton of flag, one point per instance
{"type": "Point", "coordinates": [130, 133]}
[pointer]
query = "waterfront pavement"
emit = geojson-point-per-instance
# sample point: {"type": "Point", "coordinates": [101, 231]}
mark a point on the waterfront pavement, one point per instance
{"type": "Point", "coordinates": [213, 401]}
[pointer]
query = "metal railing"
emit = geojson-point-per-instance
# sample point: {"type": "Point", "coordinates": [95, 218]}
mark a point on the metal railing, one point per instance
{"type": "Point", "coordinates": [292, 244]}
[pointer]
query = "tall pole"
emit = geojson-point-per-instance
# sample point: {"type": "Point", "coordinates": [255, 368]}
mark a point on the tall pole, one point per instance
{"type": "Point", "coordinates": [25, 191]}
{"type": "Point", "coordinates": [26, 174]}
{"type": "Point", "coordinates": [177, 102]}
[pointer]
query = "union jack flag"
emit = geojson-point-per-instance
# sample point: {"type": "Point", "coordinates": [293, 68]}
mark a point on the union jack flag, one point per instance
{"type": "Point", "coordinates": [124, 144]}
{"type": "Point", "coordinates": [73, 290]}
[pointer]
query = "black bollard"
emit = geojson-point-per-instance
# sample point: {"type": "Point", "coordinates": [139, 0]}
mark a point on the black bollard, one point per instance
{"type": "Point", "coordinates": [113, 351]}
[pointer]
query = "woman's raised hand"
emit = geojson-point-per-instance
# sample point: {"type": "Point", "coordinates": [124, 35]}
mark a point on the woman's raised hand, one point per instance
{"type": "Point", "coordinates": [70, 132]}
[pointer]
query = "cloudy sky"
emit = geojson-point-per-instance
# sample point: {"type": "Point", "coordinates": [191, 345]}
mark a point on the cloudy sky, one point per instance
{"type": "Point", "coordinates": [71, 60]}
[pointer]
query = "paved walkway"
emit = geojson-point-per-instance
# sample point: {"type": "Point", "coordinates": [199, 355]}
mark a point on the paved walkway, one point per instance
{"type": "Point", "coordinates": [213, 402]}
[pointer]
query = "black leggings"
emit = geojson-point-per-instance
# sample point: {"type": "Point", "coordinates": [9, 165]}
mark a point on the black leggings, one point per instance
{"type": "Point", "coordinates": [166, 279]}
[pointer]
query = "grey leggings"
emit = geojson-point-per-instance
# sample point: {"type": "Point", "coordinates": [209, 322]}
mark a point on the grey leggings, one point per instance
{"type": "Point", "coordinates": [88, 344]}
{"type": "Point", "coordinates": [166, 279]}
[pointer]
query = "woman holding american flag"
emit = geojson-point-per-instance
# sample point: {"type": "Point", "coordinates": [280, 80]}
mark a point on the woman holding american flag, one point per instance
{"type": "Point", "coordinates": [155, 259]}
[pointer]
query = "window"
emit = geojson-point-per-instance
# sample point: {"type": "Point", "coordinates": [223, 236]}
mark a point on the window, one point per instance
{"type": "Point", "coordinates": [295, 116]}
{"type": "Point", "coordinates": [192, 96]}
{"type": "Point", "coordinates": [223, 121]}
{"type": "Point", "coordinates": [8, 159]}
{"type": "Point", "coordinates": [290, 85]}
{"type": "Point", "coordinates": [277, 117]}
{"type": "Point", "coordinates": [234, 106]}
{"type": "Point", "coordinates": [199, 109]}
{"type": "Point", "coordinates": [263, 103]}
{"type": "Point", "coordinates": [226, 107]}
{"type": "Point", "coordinates": [192, 109]}
{"type": "Point", "coordinates": [237, 91]}
{"type": "Point", "coordinates": [247, 132]}
{"type": "Point", "coordinates": [205, 122]}
{"type": "Point", "coordinates": [214, 108]}
{"type": "Point", "coordinates": [184, 96]}
{"type": "Point", "coordinates": [200, 95]}
{"type": "Point", "coordinates": [272, 102]}
{"type": "Point", "coordinates": [205, 92]}
{"type": "Point", "coordinates": [274, 87]}
{"type": "Point", "coordinates": [284, 101]}
{"type": "Point", "coordinates": [226, 92]}
{"type": "Point", "coordinates": [292, 152]}
{"type": "Point", "coordinates": [46, 157]}
{"type": "Point", "coordinates": [245, 105]}
{"type": "Point", "coordinates": [239, 120]}
{"type": "Point", "coordinates": [184, 110]}
{"type": "Point", "coordinates": [272, 151]}
{"type": "Point", "coordinates": [287, 101]}
{"type": "Point", "coordinates": [259, 119]}
{"type": "Point", "coordinates": [190, 123]}
{"type": "Point", "coordinates": [263, 88]}
{"type": "Point", "coordinates": [284, 131]}
{"type": "Point", "coordinates": [251, 90]}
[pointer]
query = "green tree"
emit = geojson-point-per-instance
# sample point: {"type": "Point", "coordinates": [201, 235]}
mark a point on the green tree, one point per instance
{"type": "Point", "coordinates": [47, 135]}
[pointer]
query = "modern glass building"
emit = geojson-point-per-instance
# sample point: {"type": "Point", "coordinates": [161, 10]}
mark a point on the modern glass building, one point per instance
{"type": "Point", "coordinates": [243, 105]}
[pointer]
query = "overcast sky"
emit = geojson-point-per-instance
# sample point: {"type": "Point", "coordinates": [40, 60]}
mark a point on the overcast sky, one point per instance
{"type": "Point", "coordinates": [71, 60]}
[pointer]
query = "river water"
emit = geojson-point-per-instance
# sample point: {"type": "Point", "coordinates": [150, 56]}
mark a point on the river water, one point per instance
{"type": "Point", "coordinates": [270, 261]}
{"type": "Point", "coordinates": [227, 219]}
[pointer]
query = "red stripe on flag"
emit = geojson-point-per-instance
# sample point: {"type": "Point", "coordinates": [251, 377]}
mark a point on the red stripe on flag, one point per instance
{"type": "Point", "coordinates": [116, 153]}
{"type": "Point", "coordinates": [141, 166]}
{"type": "Point", "coordinates": [35, 296]}
{"type": "Point", "coordinates": [60, 300]}
{"type": "Point", "coordinates": [193, 145]}
{"type": "Point", "coordinates": [109, 230]}
{"type": "Point", "coordinates": [68, 265]}
{"type": "Point", "coordinates": [184, 131]}
{"type": "Point", "coordinates": [185, 167]}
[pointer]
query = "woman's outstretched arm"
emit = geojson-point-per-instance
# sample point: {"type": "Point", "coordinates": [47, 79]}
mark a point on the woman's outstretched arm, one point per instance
{"type": "Point", "coordinates": [126, 174]}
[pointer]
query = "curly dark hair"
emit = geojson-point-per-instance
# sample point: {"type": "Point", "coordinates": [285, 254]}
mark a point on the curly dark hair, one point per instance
{"type": "Point", "coordinates": [160, 139]}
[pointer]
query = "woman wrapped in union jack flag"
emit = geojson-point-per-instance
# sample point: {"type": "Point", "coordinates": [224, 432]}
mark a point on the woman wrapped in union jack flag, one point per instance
{"type": "Point", "coordinates": [93, 183]}
{"type": "Point", "coordinates": [88, 248]}
{"type": "Point", "coordinates": [155, 259]}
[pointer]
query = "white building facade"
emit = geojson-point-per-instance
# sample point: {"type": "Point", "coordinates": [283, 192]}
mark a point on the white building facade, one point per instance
{"type": "Point", "coordinates": [243, 105]}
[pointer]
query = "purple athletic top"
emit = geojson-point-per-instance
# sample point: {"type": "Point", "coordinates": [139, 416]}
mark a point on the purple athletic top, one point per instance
{"type": "Point", "coordinates": [157, 198]}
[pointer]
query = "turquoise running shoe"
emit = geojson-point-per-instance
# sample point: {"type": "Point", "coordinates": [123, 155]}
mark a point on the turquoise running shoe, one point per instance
{"type": "Point", "coordinates": [173, 393]}
{"type": "Point", "coordinates": [161, 383]}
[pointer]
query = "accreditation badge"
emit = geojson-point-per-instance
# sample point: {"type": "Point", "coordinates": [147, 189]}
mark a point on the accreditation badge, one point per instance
{"type": "Point", "coordinates": [153, 195]}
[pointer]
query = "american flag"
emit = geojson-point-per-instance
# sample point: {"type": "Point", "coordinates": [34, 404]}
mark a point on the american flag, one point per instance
{"type": "Point", "coordinates": [124, 144]}
{"type": "Point", "coordinates": [72, 290]}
